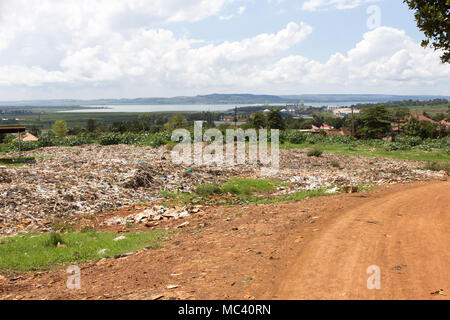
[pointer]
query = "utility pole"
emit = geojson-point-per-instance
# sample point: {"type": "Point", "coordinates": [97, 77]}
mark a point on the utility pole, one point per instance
{"type": "Point", "coordinates": [353, 123]}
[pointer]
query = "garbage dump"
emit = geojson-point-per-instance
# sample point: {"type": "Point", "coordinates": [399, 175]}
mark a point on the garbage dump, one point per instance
{"type": "Point", "coordinates": [67, 182]}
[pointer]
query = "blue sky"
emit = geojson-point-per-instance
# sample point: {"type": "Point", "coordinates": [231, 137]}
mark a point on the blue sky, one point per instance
{"type": "Point", "coordinates": [145, 48]}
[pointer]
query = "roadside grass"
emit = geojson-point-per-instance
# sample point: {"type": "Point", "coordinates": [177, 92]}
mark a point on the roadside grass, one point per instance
{"type": "Point", "coordinates": [240, 186]}
{"type": "Point", "coordinates": [240, 191]}
{"type": "Point", "coordinates": [366, 150]}
{"type": "Point", "coordinates": [236, 187]}
{"type": "Point", "coordinates": [294, 197]}
{"type": "Point", "coordinates": [30, 252]}
{"type": "Point", "coordinates": [438, 166]}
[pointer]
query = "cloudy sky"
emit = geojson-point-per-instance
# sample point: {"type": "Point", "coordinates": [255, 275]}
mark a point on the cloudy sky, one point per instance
{"type": "Point", "coordinates": [146, 48]}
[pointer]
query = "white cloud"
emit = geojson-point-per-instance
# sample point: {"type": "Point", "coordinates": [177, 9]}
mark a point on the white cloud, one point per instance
{"type": "Point", "coordinates": [242, 9]}
{"type": "Point", "coordinates": [81, 20]}
{"type": "Point", "coordinates": [90, 44]}
{"type": "Point", "coordinates": [314, 5]}
{"type": "Point", "coordinates": [386, 59]}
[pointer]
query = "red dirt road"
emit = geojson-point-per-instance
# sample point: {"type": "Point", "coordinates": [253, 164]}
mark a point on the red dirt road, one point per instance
{"type": "Point", "coordinates": [406, 234]}
{"type": "Point", "coordinates": [315, 249]}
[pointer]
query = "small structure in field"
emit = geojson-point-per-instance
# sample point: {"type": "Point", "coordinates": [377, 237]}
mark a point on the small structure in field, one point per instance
{"type": "Point", "coordinates": [27, 137]}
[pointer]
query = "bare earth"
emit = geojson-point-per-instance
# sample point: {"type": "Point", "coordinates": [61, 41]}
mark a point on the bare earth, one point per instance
{"type": "Point", "coordinates": [315, 249]}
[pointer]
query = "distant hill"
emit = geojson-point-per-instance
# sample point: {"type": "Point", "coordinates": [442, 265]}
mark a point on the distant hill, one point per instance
{"type": "Point", "coordinates": [317, 98]}
{"type": "Point", "coordinates": [215, 99]}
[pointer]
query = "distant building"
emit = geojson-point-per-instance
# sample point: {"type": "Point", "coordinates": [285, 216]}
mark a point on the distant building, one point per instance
{"type": "Point", "coordinates": [333, 108]}
{"type": "Point", "coordinates": [344, 112]}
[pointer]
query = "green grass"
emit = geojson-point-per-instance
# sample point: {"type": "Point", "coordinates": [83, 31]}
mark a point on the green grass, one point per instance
{"type": "Point", "coordinates": [39, 251]}
{"type": "Point", "coordinates": [239, 186]}
{"type": "Point", "coordinates": [242, 191]}
{"type": "Point", "coordinates": [298, 196]}
{"type": "Point", "coordinates": [366, 150]}
{"type": "Point", "coordinates": [438, 166]}
{"type": "Point", "coordinates": [315, 152]}
{"type": "Point", "coordinates": [208, 189]}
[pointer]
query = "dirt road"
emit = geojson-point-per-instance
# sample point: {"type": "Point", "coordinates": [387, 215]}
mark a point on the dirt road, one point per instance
{"type": "Point", "coordinates": [315, 249]}
{"type": "Point", "coordinates": [405, 234]}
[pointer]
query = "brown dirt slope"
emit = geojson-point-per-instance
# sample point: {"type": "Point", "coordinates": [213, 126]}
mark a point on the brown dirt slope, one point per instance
{"type": "Point", "coordinates": [315, 249]}
{"type": "Point", "coordinates": [406, 234]}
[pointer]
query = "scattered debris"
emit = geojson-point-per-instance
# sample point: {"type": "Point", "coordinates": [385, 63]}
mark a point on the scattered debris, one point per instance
{"type": "Point", "coordinates": [439, 292]}
{"type": "Point", "coordinates": [398, 268]}
{"type": "Point", "coordinates": [68, 182]}
{"type": "Point", "coordinates": [183, 225]}
{"type": "Point", "coordinates": [102, 252]}
{"type": "Point", "coordinates": [171, 287]}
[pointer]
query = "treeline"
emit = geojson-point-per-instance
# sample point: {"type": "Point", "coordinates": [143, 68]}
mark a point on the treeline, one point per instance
{"type": "Point", "coordinates": [404, 103]}
{"type": "Point", "coordinates": [373, 123]}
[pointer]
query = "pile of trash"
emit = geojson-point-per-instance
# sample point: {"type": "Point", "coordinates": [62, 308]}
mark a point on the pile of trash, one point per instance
{"type": "Point", "coordinates": [150, 217]}
{"type": "Point", "coordinates": [72, 181]}
{"type": "Point", "coordinates": [4, 178]}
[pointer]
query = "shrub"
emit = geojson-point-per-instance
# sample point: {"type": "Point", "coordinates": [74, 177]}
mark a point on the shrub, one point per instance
{"type": "Point", "coordinates": [54, 239]}
{"type": "Point", "coordinates": [207, 189]}
{"type": "Point", "coordinates": [110, 139]}
{"type": "Point", "coordinates": [24, 145]}
{"type": "Point", "coordinates": [335, 164]}
{"type": "Point", "coordinates": [315, 153]}
{"type": "Point", "coordinates": [296, 137]}
{"type": "Point", "coordinates": [130, 138]}
{"type": "Point", "coordinates": [74, 141]}
{"type": "Point", "coordinates": [411, 141]}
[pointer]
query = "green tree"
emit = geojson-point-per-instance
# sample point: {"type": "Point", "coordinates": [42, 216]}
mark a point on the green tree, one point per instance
{"type": "Point", "coordinates": [423, 129]}
{"type": "Point", "coordinates": [175, 122]}
{"type": "Point", "coordinates": [318, 120]}
{"type": "Point", "coordinates": [275, 120]}
{"type": "Point", "coordinates": [433, 18]}
{"type": "Point", "coordinates": [400, 114]}
{"type": "Point", "coordinates": [91, 125]}
{"type": "Point", "coordinates": [35, 130]}
{"type": "Point", "coordinates": [376, 122]}
{"type": "Point", "coordinates": [60, 128]}
{"type": "Point", "coordinates": [259, 120]}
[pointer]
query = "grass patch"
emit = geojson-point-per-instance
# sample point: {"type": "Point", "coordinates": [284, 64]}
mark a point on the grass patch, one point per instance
{"type": "Point", "coordinates": [298, 196]}
{"type": "Point", "coordinates": [208, 189]}
{"type": "Point", "coordinates": [438, 166]}
{"type": "Point", "coordinates": [371, 151]}
{"type": "Point", "coordinates": [242, 192]}
{"type": "Point", "coordinates": [315, 152]}
{"type": "Point", "coordinates": [239, 186]}
{"type": "Point", "coordinates": [335, 164]}
{"type": "Point", "coordinates": [40, 251]}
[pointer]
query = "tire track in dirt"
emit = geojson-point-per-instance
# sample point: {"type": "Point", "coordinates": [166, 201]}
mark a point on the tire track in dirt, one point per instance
{"type": "Point", "coordinates": [406, 234]}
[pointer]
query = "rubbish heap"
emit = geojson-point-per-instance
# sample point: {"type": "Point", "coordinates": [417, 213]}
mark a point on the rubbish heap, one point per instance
{"type": "Point", "coordinates": [72, 181]}
{"type": "Point", "coordinates": [150, 217]}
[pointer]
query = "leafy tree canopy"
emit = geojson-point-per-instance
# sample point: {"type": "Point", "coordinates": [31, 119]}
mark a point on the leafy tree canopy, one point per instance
{"type": "Point", "coordinates": [433, 18]}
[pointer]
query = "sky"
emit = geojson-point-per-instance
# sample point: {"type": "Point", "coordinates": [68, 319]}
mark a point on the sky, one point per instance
{"type": "Point", "coordinates": [88, 49]}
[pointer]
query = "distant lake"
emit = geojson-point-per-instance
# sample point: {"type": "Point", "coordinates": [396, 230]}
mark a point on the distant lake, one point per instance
{"type": "Point", "coordinates": [188, 108]}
